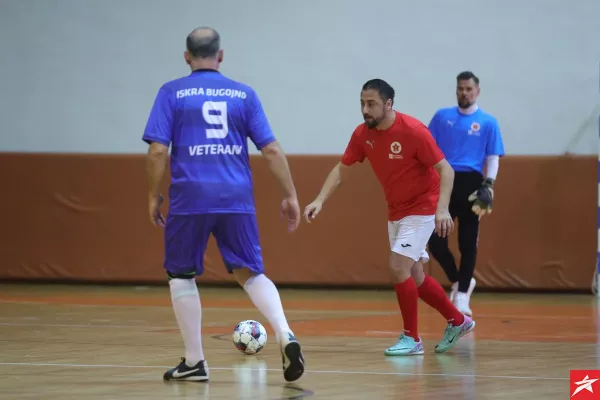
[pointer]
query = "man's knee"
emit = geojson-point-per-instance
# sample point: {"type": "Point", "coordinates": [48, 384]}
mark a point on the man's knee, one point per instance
{"type": "Point", "coordinates": [468, 243]}
{"type": "Point", "coordinates": [468, 235]}
{"type": "Point", "coordinates": [468, 248]}
{"type": "Point", "coordinates": [182, 285]}
{"type": "Point", "coordinates": [242, 275]}
{"type": "Point", "coordinates": [179, 275]}
{"type": "Point", "coordinates": [417, 273]}
{"type": "Point", "coordinates": [401, 265]}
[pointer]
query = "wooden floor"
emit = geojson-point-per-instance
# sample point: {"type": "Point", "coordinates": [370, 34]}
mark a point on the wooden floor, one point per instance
{"type": "Point", "coordinates": [87, 342]}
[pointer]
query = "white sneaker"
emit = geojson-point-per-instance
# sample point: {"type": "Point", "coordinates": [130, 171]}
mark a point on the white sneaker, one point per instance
{"type": "Point", "coordinates": [453, 291]}
{"type": "Point", "coordinates": [461, 303]}
{"type": "Point", "coordinates": [468, 295]}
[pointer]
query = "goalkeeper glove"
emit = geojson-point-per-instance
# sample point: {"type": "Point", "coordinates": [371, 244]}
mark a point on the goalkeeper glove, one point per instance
{"type": "Point", "coordinates": [483, 197]}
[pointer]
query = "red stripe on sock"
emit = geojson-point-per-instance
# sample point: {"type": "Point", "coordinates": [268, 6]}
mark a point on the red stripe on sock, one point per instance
{"type": "Point", "coordinates": [408, 300]}
{"type": "Point", "coordinates": [432, 293]}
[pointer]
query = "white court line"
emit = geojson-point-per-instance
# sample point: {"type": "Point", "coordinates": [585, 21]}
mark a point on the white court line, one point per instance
{"type": "Point", "coordinates": [226, 325]}
{"type": "Point", "coordinates": [152, 328]}
{"type": "Point", "coordinates": [341, 313]}
{"type": "Point", "coordinates": [587, 335]}
{"type": "Point", "coordinates": [85, 326]}
{"type": "Point", "coordinates": [370, 334]}
{"type": "Point", "coordinates": [535, 378]}
{"type": "Point", "coordinates": [349, 313]}
{"type": "Point", "coordinates": [520, 316]}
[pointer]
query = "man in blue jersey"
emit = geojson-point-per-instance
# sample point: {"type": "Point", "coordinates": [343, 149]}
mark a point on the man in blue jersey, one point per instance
{"type": "Point", "coordinates": [207, 120]}
{"type": "Point", "coordinates": [471, 140]}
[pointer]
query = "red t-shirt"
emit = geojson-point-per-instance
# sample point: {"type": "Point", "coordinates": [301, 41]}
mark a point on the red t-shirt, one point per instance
{"type": "Point", "coordinates": [402, 158]}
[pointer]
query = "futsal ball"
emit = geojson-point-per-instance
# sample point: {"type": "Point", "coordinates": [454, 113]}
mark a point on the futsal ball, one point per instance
{"type": "Point", "coordinates": [249, 337]}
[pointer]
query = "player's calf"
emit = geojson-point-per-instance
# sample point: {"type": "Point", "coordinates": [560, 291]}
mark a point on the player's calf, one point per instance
{"type": "Point", "coordinates": [408, 298]}
{"type": "Point", "coordinates": [183, 372]}
{"type": "Point", "coordinates": [265, 296]}
{"type": "Point", "coordinates": [417, 273]}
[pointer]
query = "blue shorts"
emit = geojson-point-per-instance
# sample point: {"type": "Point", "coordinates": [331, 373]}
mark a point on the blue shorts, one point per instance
{"type": "Point", "coordinates": [186, 237]}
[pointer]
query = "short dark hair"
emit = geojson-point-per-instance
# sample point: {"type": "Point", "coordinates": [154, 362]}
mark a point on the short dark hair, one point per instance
{"type": "Point", "coordinates": [203, 46]}
{"type": "Point", "coordinates": [466, 75]}
{"type": "Point", "coordinates": [385, 90]}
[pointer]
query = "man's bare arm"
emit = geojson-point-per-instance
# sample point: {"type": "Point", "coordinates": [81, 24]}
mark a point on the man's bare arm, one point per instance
{"type": "Point", "coordinates": [335, 178]}
{"type": "Point", "coordinates": [279, 166]}
{"type": "Point", "coordinates": [444, 169]}
{"type": "Point", "coordinates": [156, 166]}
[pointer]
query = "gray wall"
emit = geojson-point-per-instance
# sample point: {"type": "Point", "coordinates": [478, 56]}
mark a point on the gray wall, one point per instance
{"type": "Point", "coordinates": [81, 75]}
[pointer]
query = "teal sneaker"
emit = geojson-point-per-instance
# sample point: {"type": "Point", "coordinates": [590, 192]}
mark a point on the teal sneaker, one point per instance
{"type": "Point", "coordinates": [406, 346]}
{"type": "Point", "coordinates": [453, 333]}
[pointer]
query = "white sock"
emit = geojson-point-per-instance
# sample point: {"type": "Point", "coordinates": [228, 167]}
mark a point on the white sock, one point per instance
{"type": "Point", "coordinates": [186, 304]}
{"type": "Point", "coordinates": [265, 296]}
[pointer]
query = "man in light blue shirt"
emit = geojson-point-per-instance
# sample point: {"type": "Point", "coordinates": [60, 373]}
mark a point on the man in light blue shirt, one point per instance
{"type": "Point", "coordinates": [470, 139]}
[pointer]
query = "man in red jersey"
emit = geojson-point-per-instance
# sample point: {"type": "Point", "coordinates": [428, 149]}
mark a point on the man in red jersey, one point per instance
{"type": "Point", "coordinates": [417, 182]}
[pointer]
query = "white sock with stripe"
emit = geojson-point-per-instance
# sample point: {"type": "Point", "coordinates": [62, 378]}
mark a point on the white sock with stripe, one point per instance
{"type": "Point", "coordinates": [188, 312]}
{"type": "Point", "coordinates": [265, 296]}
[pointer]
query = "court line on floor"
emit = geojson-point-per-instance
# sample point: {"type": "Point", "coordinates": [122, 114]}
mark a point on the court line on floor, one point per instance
{"type": "Point", "coordinates": [151, 328]}
{"type": "Point", "coordinates": [380, 313]}
{"type": "Point", "coordinates": [346, 313]}
{"type": "Point", "coordinates": [216, 325]}
{"type": "Point", "coordinates": [334, 372]}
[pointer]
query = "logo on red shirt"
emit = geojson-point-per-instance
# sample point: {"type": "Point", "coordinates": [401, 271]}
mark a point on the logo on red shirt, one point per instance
{"type": "Point", "coordinates": [583, 383]}
{"type": "Point", "coordinates": [395, 149]}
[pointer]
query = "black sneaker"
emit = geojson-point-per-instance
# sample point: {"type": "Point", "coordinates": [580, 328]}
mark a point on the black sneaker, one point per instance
{"type": "Point", "coordinates": [292, 358]}
{"type": "Point", "coordinates": [197, 373]}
